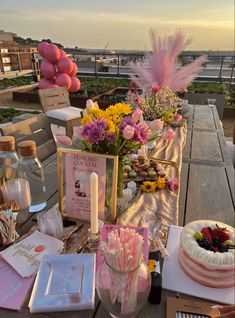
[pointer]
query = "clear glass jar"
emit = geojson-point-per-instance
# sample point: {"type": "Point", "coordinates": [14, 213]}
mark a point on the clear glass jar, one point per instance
{"type": "Point", "coordinates": [9, 161]}
{"type": "Point", "coordinates": [123, 294]}
{"type": "Point", "coordinates": [31, 168]}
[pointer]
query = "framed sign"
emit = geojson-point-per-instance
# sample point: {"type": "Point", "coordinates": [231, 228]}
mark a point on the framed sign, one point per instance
{"type": "Point", "coordinates": [74, 170]}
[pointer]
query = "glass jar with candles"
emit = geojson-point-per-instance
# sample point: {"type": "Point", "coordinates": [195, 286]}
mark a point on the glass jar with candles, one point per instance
{"type": "Point", "coordinates": [32, 168]}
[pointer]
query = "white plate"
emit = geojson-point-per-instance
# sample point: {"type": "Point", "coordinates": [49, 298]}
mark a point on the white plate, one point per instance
{"type": "Point", "coordinates": [174, 278]}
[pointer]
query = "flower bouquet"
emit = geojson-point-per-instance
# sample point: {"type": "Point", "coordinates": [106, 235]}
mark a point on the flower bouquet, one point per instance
{"type": "Point", "coordinates": [156, 103]}
{"type": "Point", "coordinates": [117, 130]}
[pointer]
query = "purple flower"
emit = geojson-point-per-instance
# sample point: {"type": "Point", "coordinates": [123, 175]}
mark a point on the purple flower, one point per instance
{"type": "Point", "coordinates": [127, 121]}
{"type": "Point", "coordinates": [111, 137]}
{"type": "Point", "coordinates": [94, 131]}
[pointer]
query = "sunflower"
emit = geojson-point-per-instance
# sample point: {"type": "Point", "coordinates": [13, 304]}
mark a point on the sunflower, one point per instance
{"type": "Point", "coordinates": [148, 186]}
{"type": "Point", "coordinates": [111, 126]}
{"type": "Point", "coordinates": [169, 117]}
{"type": "Point", "coordinates": [97, 113]}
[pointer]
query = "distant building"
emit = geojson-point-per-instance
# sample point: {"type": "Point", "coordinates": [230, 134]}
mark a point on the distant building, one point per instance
{"type": "Point", "coordinates": [6, 37]}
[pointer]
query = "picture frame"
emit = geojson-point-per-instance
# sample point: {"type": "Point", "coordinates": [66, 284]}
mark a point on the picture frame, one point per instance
{"type": "Point", "coordinates": [74, 169]}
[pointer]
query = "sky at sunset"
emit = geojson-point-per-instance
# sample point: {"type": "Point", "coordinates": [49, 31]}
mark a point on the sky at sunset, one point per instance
{"type": "Point", "coordinates": [120, 24]}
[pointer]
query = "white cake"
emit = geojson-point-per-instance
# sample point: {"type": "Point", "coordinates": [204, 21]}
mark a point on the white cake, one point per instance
{"type": "Point", "coordinates": [209, 268]}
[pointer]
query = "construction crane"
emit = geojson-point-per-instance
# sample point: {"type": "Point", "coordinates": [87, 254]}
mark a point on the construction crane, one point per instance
{"type": "Point", "coordinates": [106, 46]}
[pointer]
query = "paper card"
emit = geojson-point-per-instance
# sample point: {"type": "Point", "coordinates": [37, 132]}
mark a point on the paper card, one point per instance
{"type": "Point", "coordinates": [174, 278]}
{"type": "Point", "coordinates": [78, 171]}
{"type": "Point", "coordinates": [184, 308]}
{"type": "Point", "coordinates": [25, 256]}
{"type": "Point", "coordinates": [13, 288]}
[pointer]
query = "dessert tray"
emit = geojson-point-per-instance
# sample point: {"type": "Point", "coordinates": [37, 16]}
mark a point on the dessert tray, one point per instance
{"type": "Point", "coordinates": [175, 279]}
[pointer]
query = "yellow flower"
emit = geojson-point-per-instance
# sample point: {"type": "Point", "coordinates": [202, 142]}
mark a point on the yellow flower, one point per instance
{"type": "Point", "coordinates": [119, 109]}
{"type": "Point", "coordinates": [161, 183]}
{"type": "Point", "coordinates": [170, 117]}
{"type": "Point", "coordinates": [97, 113]}
{"type": "Point", "coordinates": [85, 120]}
{"type": "Point", "coordinates": [111, 126]}
{"type": "Point", "coordinates": [148, 186]}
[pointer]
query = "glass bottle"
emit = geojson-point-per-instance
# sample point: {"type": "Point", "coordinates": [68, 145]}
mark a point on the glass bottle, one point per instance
{"type": "Point", "coordinates": [9, 161]}
{"type": "Point", "coordinates": [123, 293]}
{"type": "Point", "coordinates": [32, 167]}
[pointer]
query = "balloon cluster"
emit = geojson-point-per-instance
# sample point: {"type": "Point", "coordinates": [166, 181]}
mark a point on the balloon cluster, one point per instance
{"type": "Point", "coordinates": [57, 69]}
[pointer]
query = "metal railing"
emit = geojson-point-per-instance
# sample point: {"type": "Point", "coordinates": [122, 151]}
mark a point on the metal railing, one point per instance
{"type": "Point", "coordinates": [219, 68]}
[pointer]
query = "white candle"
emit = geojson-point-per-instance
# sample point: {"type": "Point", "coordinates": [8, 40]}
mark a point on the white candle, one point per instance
{"type": "Point", "coordinates": [94, 202]}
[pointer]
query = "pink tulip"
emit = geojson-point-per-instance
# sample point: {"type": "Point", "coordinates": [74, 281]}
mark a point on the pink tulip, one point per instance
{"type": "Point", "coordinates": [65, 65]}
{"type": "Point", "coordinates": [52, 53]}
{"type": "Point", "coordinates": [169, 134]}
{"type": "Point", "coordinates": [89, 104]}
{"type": "Point", "coordinates": [74, 71]}
{"type": "Point", "coordinates": [156, 124]}
{"type": "Point", "coordinates": [155, 88]}
{"type": "Point", "coordinates": [178, 117]}
{"type": "Point", "coordinates": [128, 132]}
{"type": "Point", "coordinates": [41, 48]}
{"type": "Point", "coordinates": [75, 85]}
{"type": "Point", "coordinates": [63, 141]}
{"type": "Point", "coordinates": [137, 114]}
{"type": "Point", "coordinates": [47, 70]}
{"type": "Point", "coordinates": [63, 80]}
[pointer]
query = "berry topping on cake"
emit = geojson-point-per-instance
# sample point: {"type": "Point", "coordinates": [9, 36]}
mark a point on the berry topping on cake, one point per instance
{"type": "Point", "coordinates": [214, 239]}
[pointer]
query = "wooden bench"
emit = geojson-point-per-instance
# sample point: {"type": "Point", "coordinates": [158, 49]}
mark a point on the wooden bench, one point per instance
{"type": "Point", "coordinates": [56, 104]}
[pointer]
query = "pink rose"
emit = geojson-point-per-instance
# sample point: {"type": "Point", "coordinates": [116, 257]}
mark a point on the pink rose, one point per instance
{"type": "Point", "coordinates": [63, 141]}
{"type": "Point", "coordinates": [155, 124]}
{"type": "Point", "coordinates": [128, 132]}
{"type": "Point", "coordinates": [137, 114]}
{"type": "Point", "coordinates": [169, 134]}
{"type": "Point", "coordinates": [155, 88]}
{"type": "Point", "coordinates": [178, 117]}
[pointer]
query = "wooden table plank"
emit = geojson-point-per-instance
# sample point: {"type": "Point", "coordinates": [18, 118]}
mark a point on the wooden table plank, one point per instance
{"type": "Point", "coordinates": [208, 195]}
{"type": "Point", "coordinates": [205, 146]}
{"type": "Point", "coordinates": [203, 118]}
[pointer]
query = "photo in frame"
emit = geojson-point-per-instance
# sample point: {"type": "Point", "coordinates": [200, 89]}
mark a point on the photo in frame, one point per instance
{"type": "Point", "coordinates": [74, 170]}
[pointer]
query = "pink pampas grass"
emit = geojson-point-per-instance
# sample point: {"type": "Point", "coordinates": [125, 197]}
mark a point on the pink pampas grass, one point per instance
{"type": "Point", "coordinates": [161, 66]}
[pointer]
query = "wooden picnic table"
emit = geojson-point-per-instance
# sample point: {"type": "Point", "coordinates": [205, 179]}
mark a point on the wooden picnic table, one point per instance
{"type": "Point", "coordinates": [206, 192]}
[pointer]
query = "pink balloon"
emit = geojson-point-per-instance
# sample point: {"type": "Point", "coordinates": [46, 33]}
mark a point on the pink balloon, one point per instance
{"type": "Point", "coordinates": [41, 48]}
{"type": "Point", "coordinates": [52, 53]}
{"type": "Point", "coordinates": [62, 54]}
{"type": "Point", "coordinates": [75, 85]}
{"type": "Point", "coordinates": [65, 65]}
{"type": "Point", "coordinates": [63, 80]}
{"type": "Point", "coordinates": [44, 83]}
{"type": "Point", "coordinates": [53, 86]}
{"type": "Point", "coordinates": [74, 71]}
{"type": "Point", "coordinates": [47, 70]}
